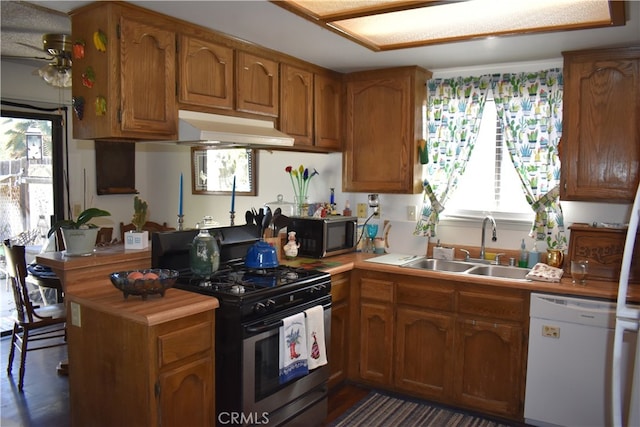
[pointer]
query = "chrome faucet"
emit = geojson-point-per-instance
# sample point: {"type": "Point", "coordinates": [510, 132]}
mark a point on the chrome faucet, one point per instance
{"type": "Point", "coordinates": [493, 235]}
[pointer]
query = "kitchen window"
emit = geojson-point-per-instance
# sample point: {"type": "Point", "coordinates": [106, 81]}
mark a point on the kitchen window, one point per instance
{"type": "Point", "coordinates": [490, 183]}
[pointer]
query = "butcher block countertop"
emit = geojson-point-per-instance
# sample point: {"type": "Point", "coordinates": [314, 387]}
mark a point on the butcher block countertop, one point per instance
{"type": "Point", "coordinates": [346, 262]}
{"type": "Point", "coordinates": [155, 310]}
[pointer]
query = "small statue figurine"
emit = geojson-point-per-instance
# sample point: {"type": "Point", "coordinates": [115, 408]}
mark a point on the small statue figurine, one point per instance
{"type": "Point", "coordinates": [291, 248]}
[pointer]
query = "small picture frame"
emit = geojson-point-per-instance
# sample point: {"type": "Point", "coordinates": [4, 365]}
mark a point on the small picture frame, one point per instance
{"type": "Point", "coordinates": [213, 171]}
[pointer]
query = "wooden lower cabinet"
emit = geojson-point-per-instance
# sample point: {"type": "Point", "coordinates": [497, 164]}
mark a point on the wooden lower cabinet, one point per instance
{"type": "Point", "coordinates": [339, 344]}
{"type": "Point", "coordinates": [134, 372]}
{"type": "Point", "coordinates": [451, 342]}
{"type": "Point", "coordinates": [423, 359]}
{"type": "Point", "coordinates": [376, 340]}
{"type": "Point", "coordinates": [376, 331]}
{"type": "Point", "coordinates": [488, 364]}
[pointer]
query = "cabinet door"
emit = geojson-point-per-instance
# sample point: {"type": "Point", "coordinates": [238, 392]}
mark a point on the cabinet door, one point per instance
{"type": "Point", "coordinates": [185, 395]}
{"type": "Point", "coordinates": [148, 79]}
{"type": "Point", "coordinates": [376, 342]}
{"type": "Point", "coordinates": [296, 108]}
{"type": "Point", "coordinates": [601, 126]}
{"type": "Point", "coordinates": [328, 112]}
{"type": "Point", "coordinates": [206, 73]}
{"type": "Point", "coordinates": [424, 343]}
{"type": "Point", "coordinates": [384, 124]}
{"type": "Point", "coordinates": [257, 85]}
{"type": "Point", "coordinates": [339, 348]}
{"type": "Point", "coordinates": [488, 366]}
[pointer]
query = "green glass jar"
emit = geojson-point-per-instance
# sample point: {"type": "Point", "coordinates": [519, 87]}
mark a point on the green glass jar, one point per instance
{"type": "Point", "coordinates": [204, 254]}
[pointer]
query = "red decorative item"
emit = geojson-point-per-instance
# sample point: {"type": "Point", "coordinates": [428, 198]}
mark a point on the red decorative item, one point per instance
{"type": "Point", "coordinates": [88, 77]}
{"type": "Point", "coordinates": [78, 49]}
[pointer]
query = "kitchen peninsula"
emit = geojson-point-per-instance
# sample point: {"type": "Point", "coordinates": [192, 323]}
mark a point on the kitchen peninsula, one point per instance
{"type": "Point", "coordinates": [152, 356]}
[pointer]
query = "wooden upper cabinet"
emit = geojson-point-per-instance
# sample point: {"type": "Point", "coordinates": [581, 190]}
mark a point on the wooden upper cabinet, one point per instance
{"type": "Point", "coordinates": [257, 84]}
{"type": "Point", "coordinates": [205, 73]}
{"type": "Point", "coordinates": [127, 89]}
{"type": "Point", "coordinates": [328, 112]}
{"type": "Point", "coordinates": [600, 148]}
{"type": "Point", "coordinates": [383, 126]}
{"type": "Point", "coordinates": [296, 108]}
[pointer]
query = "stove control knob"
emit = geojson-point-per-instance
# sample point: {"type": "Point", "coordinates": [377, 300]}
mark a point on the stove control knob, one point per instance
{"type": "Point", "coordinates": [261, 307]}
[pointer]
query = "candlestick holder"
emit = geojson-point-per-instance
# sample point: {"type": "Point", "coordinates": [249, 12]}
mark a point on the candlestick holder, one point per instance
{"type": "Point", "coordinates": [232, 217]}
{"type": "Point", "coordinates": [180, 222]}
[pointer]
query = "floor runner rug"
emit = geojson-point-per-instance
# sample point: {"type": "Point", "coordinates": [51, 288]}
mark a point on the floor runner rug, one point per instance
{"type": "Point", "coordinates": [382, 410]}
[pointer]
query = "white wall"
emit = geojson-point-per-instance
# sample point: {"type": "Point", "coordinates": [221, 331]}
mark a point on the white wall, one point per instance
{"type": "Point", "coordinates": [158, 167]}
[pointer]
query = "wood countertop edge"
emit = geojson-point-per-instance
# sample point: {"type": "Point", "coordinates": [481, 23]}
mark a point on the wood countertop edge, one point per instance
{"type": "Point", "coordinates": [593, 288]}
{"type": "Point", "coordinates": [103, 256]}
{"type": "Point", "coordinates": [155, 310]}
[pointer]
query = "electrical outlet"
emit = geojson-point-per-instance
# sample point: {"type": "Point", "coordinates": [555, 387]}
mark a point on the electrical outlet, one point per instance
{"type": "Point", "coordinates": [76, 209]}
{"type": "Point", "coordinates": [362, 210]}
{"type": "Point", "coordinates": [550, 331]}
{"type": "Point", "coordinates": [411, 213]}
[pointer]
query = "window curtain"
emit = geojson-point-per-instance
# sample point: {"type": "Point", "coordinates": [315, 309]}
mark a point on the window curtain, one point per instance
{"type": "Point", "coordinates": [529, 106]}
{"type": "Point", "coordinates": [453, 113]}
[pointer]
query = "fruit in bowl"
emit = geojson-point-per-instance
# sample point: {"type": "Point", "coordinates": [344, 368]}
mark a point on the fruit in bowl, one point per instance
{"type": "Point", "coordinates": [144, 282]}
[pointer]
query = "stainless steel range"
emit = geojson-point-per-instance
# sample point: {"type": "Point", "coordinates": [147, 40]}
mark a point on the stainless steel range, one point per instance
{"type": "Point", "coordinates": [253, 303]}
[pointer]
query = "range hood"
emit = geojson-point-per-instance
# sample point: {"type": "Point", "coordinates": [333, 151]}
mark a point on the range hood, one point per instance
{"type": "Point", "coordinates": [217, 131]}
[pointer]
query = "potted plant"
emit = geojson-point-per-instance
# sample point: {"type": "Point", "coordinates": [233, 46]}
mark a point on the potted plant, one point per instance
{"type": "Point", "coordinates": [79, 235]}
{"type": "Point", "coordinates": [138, 239]}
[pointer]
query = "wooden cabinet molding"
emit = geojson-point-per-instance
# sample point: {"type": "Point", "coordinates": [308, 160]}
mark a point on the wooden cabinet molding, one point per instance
{"type": "Point", "coordinates": [257, 82]}
{"type": "Point", "coordinates": [600, 147]}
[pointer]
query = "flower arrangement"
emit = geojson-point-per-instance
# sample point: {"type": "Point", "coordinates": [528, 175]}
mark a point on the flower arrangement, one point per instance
{"type": "Point", "coordinates": [300, 179]}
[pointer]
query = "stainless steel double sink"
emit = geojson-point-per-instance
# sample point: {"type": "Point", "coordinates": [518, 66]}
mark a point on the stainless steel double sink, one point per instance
{"type": "Point", "coordinates": [468, 267]}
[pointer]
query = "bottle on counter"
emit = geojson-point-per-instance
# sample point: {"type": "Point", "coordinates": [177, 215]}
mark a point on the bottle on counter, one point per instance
{"type": "Point", "coordinates": [523, 261]}
{"type": "Point", "coordinates": [347, 209]}
{"type": "Point", "coordinates": [534, 256]}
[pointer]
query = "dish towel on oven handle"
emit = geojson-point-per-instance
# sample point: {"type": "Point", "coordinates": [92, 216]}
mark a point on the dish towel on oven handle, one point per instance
{"type": "Point", "coordinates": [293, 348]}
{"type": "Point", "coordinates": [315, 337]}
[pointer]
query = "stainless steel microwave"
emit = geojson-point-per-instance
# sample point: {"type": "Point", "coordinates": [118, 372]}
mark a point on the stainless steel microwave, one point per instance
{"type": "Point", "coordinates": [322, 237]}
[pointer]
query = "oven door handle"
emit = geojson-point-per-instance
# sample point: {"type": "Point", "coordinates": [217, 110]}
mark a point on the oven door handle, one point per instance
{"type": "Point", "coordinates": [263, 328]}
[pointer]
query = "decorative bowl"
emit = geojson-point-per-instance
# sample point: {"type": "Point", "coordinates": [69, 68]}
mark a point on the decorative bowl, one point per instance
{"type": "Point", "coordinates": [144, 282]}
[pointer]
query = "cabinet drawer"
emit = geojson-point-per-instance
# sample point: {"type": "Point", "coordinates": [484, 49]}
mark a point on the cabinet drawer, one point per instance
{"type": "Point", "coordinates": [508, 307]}
{"type": "Point", "coordinates": [185, 342]}
{"type": "Point", "coordinates": [377, 290]}
{"type": "Point", "coordinates": [340, 287]}
{"type": "Point", "coordinates": [427, 296]}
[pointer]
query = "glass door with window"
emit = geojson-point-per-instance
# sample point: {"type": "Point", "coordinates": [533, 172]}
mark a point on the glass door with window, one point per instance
{"type": "Point", "coordinates": [31, 187]}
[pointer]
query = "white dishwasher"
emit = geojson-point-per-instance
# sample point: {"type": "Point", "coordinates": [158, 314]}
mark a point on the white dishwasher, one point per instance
{"type": "Point", "coordinates": [569, 361]}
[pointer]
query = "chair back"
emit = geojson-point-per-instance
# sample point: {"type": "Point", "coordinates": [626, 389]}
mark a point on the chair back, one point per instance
{"type": "Point", "coordinates": [17, 271]}
{"type": "Point", "coordinates": [149, 226]}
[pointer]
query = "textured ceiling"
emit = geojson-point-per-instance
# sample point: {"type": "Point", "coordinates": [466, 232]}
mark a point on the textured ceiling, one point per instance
{"type": "Point", "coordinates": [268, 25]}
{"type": "Point", "coordinates": [23, 25]}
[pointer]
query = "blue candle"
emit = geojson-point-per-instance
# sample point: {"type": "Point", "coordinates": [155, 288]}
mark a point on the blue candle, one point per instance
{"type": "Point", "coordinates": [233, 195]}
{"type": "Point", "coordinates": [180, 197]}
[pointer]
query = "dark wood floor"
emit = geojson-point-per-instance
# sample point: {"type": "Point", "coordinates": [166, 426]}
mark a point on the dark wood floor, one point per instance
{"type": "Point", "coordinates": [45, 398]}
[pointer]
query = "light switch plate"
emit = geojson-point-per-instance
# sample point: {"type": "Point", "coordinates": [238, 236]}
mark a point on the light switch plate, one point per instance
{"type": "Point", "coordinates": [76, 317]}
{"type": "Point", "coordinates": [362, 210]}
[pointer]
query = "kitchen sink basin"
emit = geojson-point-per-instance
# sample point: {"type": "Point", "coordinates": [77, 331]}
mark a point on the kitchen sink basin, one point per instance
{"type": "Point", "coordinates": [439, 265]}
{"type": "Point", "coordinates": [499, 271]}
{"type": "Point", "coordinates": [465, 267]}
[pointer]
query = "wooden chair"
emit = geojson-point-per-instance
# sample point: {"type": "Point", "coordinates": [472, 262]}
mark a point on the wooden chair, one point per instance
{"type": "Point", "coordinates": [104, 236]}
{"type": "Point", "coordinates": [149, 226]}
{"type": "Point", "coordinates": [32, 323]}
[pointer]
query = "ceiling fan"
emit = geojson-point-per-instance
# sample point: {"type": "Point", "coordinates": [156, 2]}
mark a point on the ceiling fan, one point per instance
{"type": "Point", "coordinates": [58, 47]}
{"type": "Point", "coordinates": [57, 72]}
